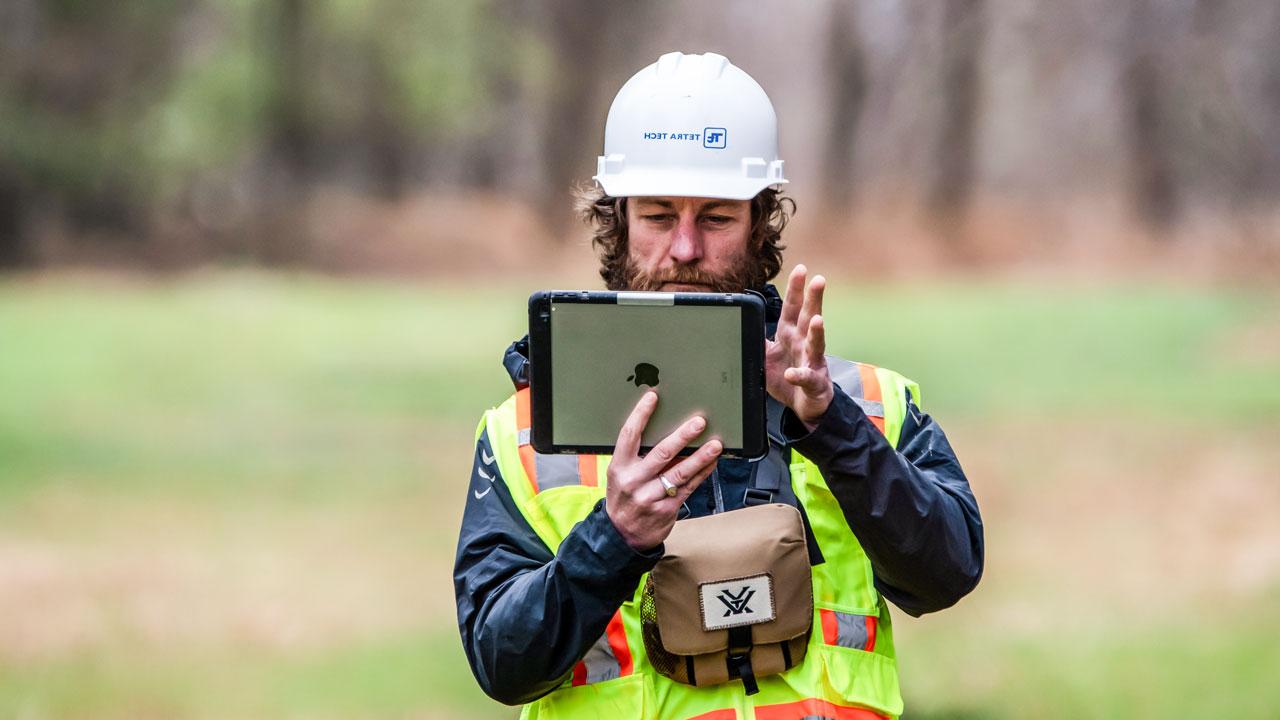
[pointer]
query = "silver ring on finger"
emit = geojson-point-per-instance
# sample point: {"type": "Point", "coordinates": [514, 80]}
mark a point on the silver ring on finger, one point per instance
{"type": "Point", "coordinates": [667, 487]}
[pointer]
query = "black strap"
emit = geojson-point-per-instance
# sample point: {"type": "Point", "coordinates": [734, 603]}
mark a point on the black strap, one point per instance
{"type": "Point", "coordinates": [786, 655]}
{"type": "Point", "coordinates": [688, 669]}
{"type": "Point", "coordinates": [773, 420]}
{"type": "Point", "coordinates": [770, 482]}
{"type": "Point", "coordinates": [767, 476]}
{"type": "Point", "coordinates": [768, 473]}
{"type": "Point", "coordinates": [739, 659]}
{"type": "Point", "coordinates": [740, 667]}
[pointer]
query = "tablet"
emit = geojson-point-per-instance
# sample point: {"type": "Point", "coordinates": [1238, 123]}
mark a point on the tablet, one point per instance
{"type": "Point", "coordinates": [594, 354]}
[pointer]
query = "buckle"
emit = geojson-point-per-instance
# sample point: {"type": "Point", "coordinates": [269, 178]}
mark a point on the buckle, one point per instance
{"type": "Point", "coordinates": [755, 496]}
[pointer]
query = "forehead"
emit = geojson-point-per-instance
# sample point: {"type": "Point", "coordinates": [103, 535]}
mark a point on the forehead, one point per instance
{"type": "Point", "coordinates": [690, 203]}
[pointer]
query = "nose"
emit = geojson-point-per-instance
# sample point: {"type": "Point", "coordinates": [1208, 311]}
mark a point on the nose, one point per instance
{"type": "Point", "coordinates": [686, 244]}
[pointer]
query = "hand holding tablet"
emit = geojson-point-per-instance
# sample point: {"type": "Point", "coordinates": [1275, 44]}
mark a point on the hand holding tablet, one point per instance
{"type": "Point", "coordinates": [645, 492]}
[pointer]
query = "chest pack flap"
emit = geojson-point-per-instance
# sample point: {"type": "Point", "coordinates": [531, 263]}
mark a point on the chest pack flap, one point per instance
{"type": "Point", "coordinates": [733, 595]}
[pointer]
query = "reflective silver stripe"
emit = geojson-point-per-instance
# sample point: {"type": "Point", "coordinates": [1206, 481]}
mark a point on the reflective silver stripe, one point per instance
{"type": "Point", "coordinates": [870, 407]}
{"type": "Point", "coordinates": [556, 470]}
{"type": "Point", "coordinates": [845, 374]}
{"type": "Point", "coordinates": [851, 631]}
{"type": "Point", "coordinates": [523, 436]}
{"type": "Point", "coordinates": [646, 298]}
{"type": "Point", "coordinates": [600, 661]}
{"type": "Point", "coordinates": [817, 717]}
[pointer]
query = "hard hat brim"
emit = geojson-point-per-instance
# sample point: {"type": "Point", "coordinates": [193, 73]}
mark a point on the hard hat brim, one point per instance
{"type": "Point", "coordinates": [667, 184]}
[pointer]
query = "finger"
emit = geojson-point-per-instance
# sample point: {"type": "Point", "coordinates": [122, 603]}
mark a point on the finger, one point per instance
{"type": "Point", "coordinates": [685, 474]}
{"type": "Point", "coordinates": [692, 483]}
{"type": "Point", "coordinates": [648, 492]}
{"type": "Point", "coordinates": [670, 446]}
{"type": "Point", "coordinates": [812, 304]}
{"type": "Point", "coordinates": [628, 444]}
{"type": "Point", "coordinates": [687, 487]}
{"type": "Point", "coordinates": [807, 379]}
{"type": "Point", "coordinates": [682, 472]}
{"type": "Point", "coordinates": [817, 288]}
{"type": "Point", "coordinates": [794, 298]}
{"type": "Point", "coordinates": [816, 343]}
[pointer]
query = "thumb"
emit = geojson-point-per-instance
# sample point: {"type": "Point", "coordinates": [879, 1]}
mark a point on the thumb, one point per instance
{"type": "Point", "coordinates": [813, 382]}
{"type": "Point", "coordinates": [802, 377]}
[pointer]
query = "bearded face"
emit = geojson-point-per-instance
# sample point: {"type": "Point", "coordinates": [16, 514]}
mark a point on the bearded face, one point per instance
{"type": "Point", "coordinates": [679, 244]}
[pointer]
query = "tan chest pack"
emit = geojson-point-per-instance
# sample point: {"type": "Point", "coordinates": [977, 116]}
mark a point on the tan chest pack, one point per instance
{"type": "Point", "coordinates": [732, 597]}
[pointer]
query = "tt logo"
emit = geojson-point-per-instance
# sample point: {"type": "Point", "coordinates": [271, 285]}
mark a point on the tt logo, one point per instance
{"type": "Point", "coordinates": [736, 604]}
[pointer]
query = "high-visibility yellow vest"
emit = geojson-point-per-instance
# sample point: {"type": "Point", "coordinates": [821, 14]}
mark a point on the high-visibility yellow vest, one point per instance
{"type": "Point", "coordinates": [849, 671]}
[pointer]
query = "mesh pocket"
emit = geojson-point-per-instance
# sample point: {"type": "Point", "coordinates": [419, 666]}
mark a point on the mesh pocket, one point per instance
{"type": "Point", "coordinates": [664, 662]}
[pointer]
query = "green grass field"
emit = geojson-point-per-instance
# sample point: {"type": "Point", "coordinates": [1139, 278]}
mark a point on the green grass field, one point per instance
{"type": "Point", "coordinates": [236, 494]}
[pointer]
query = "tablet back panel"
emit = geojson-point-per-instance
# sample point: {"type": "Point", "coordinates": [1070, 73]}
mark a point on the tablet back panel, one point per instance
{"type": "Point", "coordinates": [607, 355]}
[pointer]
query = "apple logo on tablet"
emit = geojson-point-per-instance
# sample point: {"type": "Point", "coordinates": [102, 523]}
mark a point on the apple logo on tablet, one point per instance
{"type": "Point", "coordinates": [645, 374]}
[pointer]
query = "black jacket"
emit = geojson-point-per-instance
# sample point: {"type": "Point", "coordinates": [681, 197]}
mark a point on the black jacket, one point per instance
{"type": "Point", "coordinates": [527, 616]}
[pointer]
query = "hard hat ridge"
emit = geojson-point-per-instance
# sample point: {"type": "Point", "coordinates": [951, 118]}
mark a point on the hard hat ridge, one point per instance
{"type": "Point", "coordinates": [707, 66]}
{"type": "Point", "coordinates": [690, 125]}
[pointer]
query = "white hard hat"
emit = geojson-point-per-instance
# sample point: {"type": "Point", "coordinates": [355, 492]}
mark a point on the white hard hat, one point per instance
{"type": "Point", "coordinates": [690, 125]}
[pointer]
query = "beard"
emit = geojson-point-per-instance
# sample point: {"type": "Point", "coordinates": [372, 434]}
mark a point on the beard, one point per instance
{"type": "Point", "coordinates": [743, 275]}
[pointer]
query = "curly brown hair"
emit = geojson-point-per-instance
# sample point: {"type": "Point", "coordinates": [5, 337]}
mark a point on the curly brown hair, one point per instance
{"type": "Point", "coordinates": [607, 217]}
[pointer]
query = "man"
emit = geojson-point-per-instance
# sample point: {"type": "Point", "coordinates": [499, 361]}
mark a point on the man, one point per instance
{"type": "Point", "coordinates": [553, 549]}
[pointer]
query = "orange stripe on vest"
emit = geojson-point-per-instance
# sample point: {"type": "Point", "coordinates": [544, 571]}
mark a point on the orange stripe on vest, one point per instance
{"type": "Point", "coordinates": [529, 459]}
{"type": "Point", "coordinates": [618, 641]}
{"type": "Point", "coordinates": [616, 636]}
{"type": "Point", "coordinates": [587, 470]}
{"type": "Point", "coordinates": [829, 632]}
{"type": "Point", "coordinates": [524, 421]}
{"type": "Point", "coordinates": [871, 391]}
{"type": "Point", "coordinates": [864, 639]}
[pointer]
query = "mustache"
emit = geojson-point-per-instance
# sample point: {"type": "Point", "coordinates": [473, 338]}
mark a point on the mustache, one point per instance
{"type": "Point", "coordinates": [743, 274]}
{"type": "Point", "coordinates": [685, 275]}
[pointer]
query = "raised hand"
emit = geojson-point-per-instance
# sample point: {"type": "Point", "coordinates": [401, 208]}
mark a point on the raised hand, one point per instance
{"type": "Point", "coordinates": [640, 505]}
{"type": "Point", "coordinates": [796, 372]}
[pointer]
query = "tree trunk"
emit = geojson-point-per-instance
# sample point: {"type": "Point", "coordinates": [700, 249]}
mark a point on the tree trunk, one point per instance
{"type": "Point", "coordinates": [282, 202]}
{"type": "Point", "coordinates": [577, 30]}
{"type": "Point", "coordinates": [384, 144]}
{"type": "Point", "coordinates": [13, 251]}
{"type": "Point", "coordinates": [951, 183]}
{"type": "Point", "coordinates": [847, 78]}
{"type": "Point", "coordinates": [1154, 185]}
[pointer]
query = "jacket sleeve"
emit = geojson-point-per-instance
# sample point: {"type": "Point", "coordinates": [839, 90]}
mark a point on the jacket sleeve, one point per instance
{"type": "Point", "coordinates": [911, 509]}
{"type": "Point", "coordinates": [527, 615]}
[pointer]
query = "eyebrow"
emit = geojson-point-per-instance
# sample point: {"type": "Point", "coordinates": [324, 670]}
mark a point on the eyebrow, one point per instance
{"type": "Point", "coordinates": [660, 203]}
{"type": "Point", "coordinates": [668, 205]}
{"type": "Point", "coordinates": [716, 204]}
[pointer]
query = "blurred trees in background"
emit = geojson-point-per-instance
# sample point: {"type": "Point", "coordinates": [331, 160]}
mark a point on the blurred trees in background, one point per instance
{"type": "Point", "coordinates": [172, 132]}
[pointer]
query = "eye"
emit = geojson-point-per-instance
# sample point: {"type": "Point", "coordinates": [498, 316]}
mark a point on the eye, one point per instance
{"type": "Point", "coordinates": [718, 219]}
{"type": "Point", "coordinates": [658, 217]}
